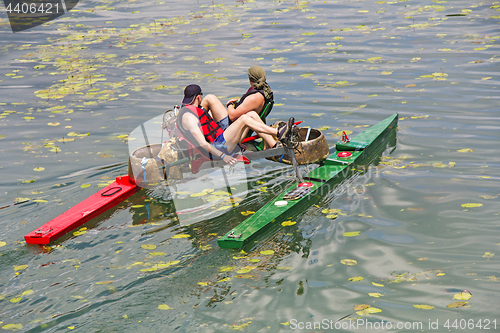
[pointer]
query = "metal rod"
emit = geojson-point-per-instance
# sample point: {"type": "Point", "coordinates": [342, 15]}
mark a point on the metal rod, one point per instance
{"type": "Point", "coordinates": [308, 132]}
{"type": "Point", "coordinates": [291, 153]}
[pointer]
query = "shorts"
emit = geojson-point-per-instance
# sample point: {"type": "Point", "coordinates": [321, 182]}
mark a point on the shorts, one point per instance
{"type": "Point", "coordinates": [224, 123]}
{"type": "Point", "coordinates": [220, 144]}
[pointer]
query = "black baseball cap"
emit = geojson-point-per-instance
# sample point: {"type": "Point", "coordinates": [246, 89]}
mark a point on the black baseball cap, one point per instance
{"type": "Point", "coordinates": [190, 92]}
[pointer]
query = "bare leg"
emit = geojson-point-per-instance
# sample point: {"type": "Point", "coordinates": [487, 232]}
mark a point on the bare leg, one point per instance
{"type": "Point", "coordinates": [266, 137]}
{"type": "Point", "coordinates": [233, 133]}
{"type": "Point", "coordinates": [213, 104]}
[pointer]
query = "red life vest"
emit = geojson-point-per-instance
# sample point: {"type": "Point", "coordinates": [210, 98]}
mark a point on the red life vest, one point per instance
{"type": "Point", "coordinates": [210, 129]}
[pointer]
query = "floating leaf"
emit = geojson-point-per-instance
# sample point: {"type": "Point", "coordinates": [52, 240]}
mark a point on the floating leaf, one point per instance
{"type": "Point", "coordinates": [181, 236]}
{"type": "Point", "coordinates": [253, 260]}
{"type": "Point", "coordinates": [137, 206]}
{"type": "Point", "coordinates": [12, 327]}
{"type": "Point", "coordinates": [464, 295]}
{"type": "Point", "coordinates": [2, 243]}
{"type": "Point", "coordinates": [465, 150]}
{"type": "Point", "coordinates": [20, 267]}
{"type": "Point", "coordinates": [356, 278]}
{"type": "Point", "coordinates": [377, 295]}
{"type": "Point", "coordinates": [77, 134]}
{"type": "Point", "coordinates": [104, 282]}
{"type": "Point", "coordinates": [148, 246]}
{"type": "Point", "coordinates": [457, 304]}
{"type": "Point", "coordinates": [288, 223]}
{"type": "Point", "coordinates": [378, 284]}
{"type": "Point", "coordinates": [360, 307]}
{"type": "Point", "coordinates": [85, 185]}
{"type": "Point", "coordinates": [16, 299]}
{"type": "Point", "coordinates": [53, 124]}
{"type": "Point", "coordinates": [349, 262]}
{"type": "Point", "coordinates": [248, 212]}
{"type": "Point", "coordinates": [488, 255]}
{"type": "Point", "coordinates": [166, 265]}
{"type": "Point", "coordinates": [331, 211]}
{"type": "Point", "coordinates": [423, 306]}
{"type": "Point", "coordinates": [243, 276]}
{"type": "Point", "coordinates": [472, 205]}
{"type": "Point", "coordinates": [226, 268]}
{"type": "Point", "coordinates": [246, 269]}
{"type": "Point", "coordinates": [39, 169]}
{"type": "Point", "coordinates": [368, 311]}
{"type": "Point", "coordinates": [164, 307]}
{"type": "Point", "coordinates": [351, 234]}
{"type": "Point", "coordinates": [267, 252]}
{"type": "Point", "coordinates": [156, 253]}
{"type": "Point", "coordinates": [284, 268]}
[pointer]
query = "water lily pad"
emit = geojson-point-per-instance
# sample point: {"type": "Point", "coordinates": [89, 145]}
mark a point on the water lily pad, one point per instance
{"type": "Point", "coordinates": [164, 307]}
{"type": "Point", "coordinates": [356, 278]}
{"type": "Point", "coordinates": [288, 223]}
{"type": "Point", "coordinates": [20, 267]}
{"type": "Point", "coordinates": [181, 236]}
{"type": "Point", "coordinates": [349, 262]}
{"type": "Point", "coordinates": [457, 304]}
{"type": "Point", "coordinates": [368, 311]}
{"type": "Point", "coordinates": [472, 205]}
{"type": "Point", "coordinates": [464, 296]}
{"type": "Point", "coordinates": [12, 327]}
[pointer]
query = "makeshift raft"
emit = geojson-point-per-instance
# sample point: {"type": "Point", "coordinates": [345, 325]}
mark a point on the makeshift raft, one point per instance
{"type": "Point", "coordinates": [152, 164]}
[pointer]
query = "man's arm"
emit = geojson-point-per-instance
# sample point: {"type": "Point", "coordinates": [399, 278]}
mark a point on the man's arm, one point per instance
{"type": "Point", "coordinates": [254, 102]}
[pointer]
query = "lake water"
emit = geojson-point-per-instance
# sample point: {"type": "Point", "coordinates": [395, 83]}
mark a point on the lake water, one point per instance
{"type": "Point", "coordinates": [419, 228]}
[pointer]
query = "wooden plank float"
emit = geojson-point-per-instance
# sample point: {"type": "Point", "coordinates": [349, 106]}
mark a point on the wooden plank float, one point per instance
{"type": "Point", "coordinates": [122, 188]}
{"type": "Point", "coordinates": [362, 146]}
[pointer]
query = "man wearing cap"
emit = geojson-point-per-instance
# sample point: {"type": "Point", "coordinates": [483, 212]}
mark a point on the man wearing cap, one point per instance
{"type": "Point", "coordinates": [201, 129]}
